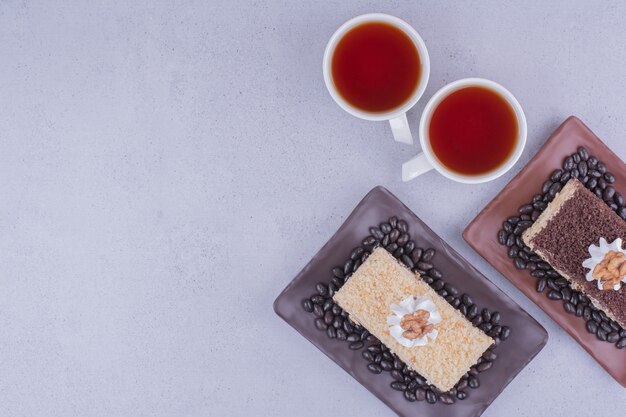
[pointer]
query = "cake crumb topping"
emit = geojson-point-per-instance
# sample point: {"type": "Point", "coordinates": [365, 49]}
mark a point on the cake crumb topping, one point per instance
{"type": "Point", "coordinates": [443, 355]}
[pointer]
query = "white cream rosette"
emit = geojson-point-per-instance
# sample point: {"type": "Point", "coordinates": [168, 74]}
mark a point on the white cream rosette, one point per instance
{"type": "Point", "coordinates": [409, 306]}
{"type": "Point", "coordinates": [597, 253]}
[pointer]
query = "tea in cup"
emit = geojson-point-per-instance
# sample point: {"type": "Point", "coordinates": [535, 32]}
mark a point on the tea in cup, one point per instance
{"type": "Point", "coordinates": [376, 67]}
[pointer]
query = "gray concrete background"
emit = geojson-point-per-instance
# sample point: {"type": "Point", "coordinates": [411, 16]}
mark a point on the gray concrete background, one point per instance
{"type": "Point", "coordinates": [168, 167]}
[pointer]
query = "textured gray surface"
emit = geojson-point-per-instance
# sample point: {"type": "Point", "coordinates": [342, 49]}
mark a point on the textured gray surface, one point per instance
{"type": "Point", "coordinates": [168, 168]}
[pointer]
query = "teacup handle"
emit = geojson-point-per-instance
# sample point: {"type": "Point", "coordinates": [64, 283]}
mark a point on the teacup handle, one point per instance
{"type": "Point", "coordinates": [401, 130]}
{"type": "Point", "coordinates": [415, 167]}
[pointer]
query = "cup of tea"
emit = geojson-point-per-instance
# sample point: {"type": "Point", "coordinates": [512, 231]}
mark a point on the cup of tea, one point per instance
{"type": "Point", "coordinates": [376, 67]}
{"type": "Point", "coordinates": [472, 131]}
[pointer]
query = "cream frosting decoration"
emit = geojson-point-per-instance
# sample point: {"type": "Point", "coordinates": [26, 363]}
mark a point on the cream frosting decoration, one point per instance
{"type": "Point", "coordinates": [408, 306]}
{"type": "Point", "coordinates": [597, 254]}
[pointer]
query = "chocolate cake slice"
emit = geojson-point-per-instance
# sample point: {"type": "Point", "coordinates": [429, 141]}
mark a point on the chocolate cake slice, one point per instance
{"type": "Point", "coordinates": [563, 233]}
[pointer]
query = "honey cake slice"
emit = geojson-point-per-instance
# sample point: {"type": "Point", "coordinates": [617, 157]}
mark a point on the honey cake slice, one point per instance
{"type": "Point", "coordinates": [562, 234]}
{"type": "Point", "coordinates": [382, 281]}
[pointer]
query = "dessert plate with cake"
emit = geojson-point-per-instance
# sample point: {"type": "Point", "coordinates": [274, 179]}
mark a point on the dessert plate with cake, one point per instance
{"type": "Point", "coordinates": [409, 318]}
{"type": "Point", "coordinates": [557, 232]}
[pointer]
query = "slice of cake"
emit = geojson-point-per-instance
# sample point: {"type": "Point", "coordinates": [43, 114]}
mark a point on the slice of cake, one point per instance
{"type": "Point", "coordinates": [581, 238]}
{"type": "Point", "coordinates": [412, 320]}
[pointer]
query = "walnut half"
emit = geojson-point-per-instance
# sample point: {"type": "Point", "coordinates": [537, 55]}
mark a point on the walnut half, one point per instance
{"type": "Point", "coordinates": [416, 325]}
{"type": "Point", "coordinates": [611, 270]}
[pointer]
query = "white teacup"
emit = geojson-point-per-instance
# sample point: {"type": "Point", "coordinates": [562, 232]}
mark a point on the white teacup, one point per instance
{"type": "Point", "coordinates": [397, 116]}
{"type": "Point", "coordinates": [427, 160]}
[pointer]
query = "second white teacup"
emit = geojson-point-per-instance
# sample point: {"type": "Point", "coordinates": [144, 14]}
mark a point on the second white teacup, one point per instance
{"type": "Point", "coordinates": [428, 159]}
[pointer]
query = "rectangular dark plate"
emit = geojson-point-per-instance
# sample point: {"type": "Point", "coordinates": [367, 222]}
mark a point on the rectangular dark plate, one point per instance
{"type": "Point", "coordinates": [526, 340]}
{"type": "Point", "coordinates": [481, 233]}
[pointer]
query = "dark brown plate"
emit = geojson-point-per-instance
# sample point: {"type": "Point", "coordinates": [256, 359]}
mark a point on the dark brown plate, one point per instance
{"type": "Point", "coordinates": [526, 340]}
{"type": "Point", "coordinates": [481, 233]}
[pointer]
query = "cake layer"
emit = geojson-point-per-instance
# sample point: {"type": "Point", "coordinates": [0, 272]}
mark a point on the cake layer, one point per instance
{"type": "Point", "coordinates": [380, 282]}
{"type": "Point", "coordinates": [562, 234]}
